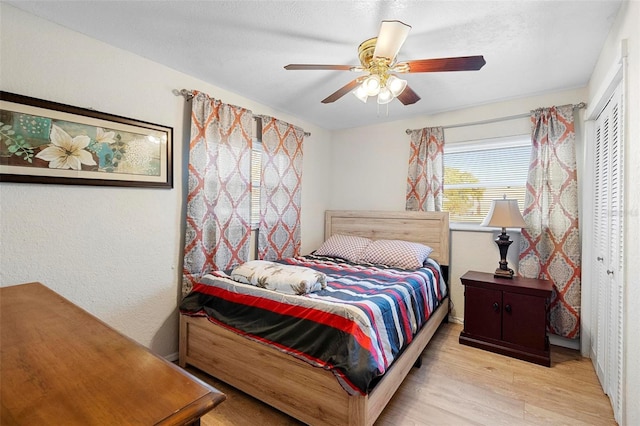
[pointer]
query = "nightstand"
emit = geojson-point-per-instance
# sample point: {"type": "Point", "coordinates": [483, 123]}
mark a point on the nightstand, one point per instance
{"type": "Point", "coordinates": [507, 316]}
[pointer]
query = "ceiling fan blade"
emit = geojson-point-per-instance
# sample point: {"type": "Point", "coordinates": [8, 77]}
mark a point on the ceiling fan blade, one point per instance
{"type": "Point", "coordinates": [341, 91]}
{"type": "Point", "coordinates": [390, 39]}
{"type": "Point", "coordinates": [408, 96]}
{"type": "Point", "coordinates": [318, 67]}
{"type": "Point", "coordinates": [461, 63]}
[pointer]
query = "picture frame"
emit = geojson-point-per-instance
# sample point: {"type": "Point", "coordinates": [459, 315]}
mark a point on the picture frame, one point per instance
{"type": "Point", "coordinates": [53, 143]}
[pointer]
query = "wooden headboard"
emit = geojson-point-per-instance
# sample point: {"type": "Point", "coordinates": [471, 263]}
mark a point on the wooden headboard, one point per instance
{"type": "Point", "coordinates": [429, 228]}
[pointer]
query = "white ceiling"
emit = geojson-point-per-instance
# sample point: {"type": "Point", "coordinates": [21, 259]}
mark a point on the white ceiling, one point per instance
{"type": "Point", "coordinates": [530, 46]}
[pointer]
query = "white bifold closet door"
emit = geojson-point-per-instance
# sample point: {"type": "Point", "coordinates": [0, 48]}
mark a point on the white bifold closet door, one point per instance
{"type": "Point", "coordinates": [606, 343]}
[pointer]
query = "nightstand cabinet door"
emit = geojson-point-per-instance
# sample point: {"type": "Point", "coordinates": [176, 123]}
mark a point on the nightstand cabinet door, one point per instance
{"type": "Point", "coordinates": [524, 320]}
{"type": "Point", "coordinates": [482, 312]}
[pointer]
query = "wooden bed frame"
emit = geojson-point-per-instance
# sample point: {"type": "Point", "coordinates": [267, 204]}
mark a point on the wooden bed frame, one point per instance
{"type": "Point", "coordinates": [311, 394]}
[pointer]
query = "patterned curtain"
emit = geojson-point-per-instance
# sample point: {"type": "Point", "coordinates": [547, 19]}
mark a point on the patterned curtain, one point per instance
{"type": "Point", "coordinates": [280, 190]}
{"type": "Point", "coordinates": [218, 225]}
{"type": "Point", "coordinates": [425, 179]}
{"type": "Point", "coordinates": [550, 243]}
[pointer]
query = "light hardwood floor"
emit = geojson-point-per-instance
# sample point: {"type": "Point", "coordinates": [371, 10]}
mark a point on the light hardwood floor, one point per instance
{"type": "Point", "coordinates": [460, 385]}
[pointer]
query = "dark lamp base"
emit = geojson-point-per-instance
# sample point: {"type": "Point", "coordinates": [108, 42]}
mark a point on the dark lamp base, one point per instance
{"type": "Point", "coordinates": [501, 273]}
{"type": "Point", "coordinates": [503, 243]}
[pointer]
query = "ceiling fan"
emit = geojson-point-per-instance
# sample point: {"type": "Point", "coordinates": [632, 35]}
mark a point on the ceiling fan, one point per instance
{"type": "Point", "coordinates": [378, 61]}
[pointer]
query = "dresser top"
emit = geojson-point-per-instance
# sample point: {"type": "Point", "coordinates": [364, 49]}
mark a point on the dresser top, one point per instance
{"type": "Point", "coordinates": [59, 364]}
{"type": "Point", "coordinates": [516, 284]}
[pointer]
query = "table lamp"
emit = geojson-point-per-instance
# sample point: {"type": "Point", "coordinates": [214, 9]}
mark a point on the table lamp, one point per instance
{"type": "Point", "coordinates": [504, 214]}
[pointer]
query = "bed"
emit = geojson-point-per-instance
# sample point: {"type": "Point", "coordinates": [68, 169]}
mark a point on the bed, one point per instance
{"type": "Point", "coordinates": [311, 394]}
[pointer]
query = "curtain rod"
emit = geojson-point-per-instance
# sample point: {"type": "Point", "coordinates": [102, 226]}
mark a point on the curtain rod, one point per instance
{"type": "Point", "coordinates": [188, 95]}
{"type": "Point", "coordinates": [498, 119]}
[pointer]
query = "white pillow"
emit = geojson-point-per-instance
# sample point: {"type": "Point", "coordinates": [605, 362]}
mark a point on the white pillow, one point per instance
{"type": "Point", "coordinates": [348, 247]}
{"type": "Point", "coordinates": [396, 253]}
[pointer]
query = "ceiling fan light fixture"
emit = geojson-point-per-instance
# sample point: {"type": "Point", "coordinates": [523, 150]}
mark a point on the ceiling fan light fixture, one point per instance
{"type": "Point", "coordinates": [372, 85]}
{"type": "Point", "coordinates": [385, 96]}
{"type": "Point", "coordinates": [378, 62]}
{"type": "Point", "coordinates": [361, 93]}
{"type": "Point", "coordinates": [396, 85]}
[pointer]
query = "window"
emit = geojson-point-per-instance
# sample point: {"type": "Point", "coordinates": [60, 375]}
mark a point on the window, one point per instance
{"type": "Point", "coordinates": [477, 172]}
{"type": "Point", "coordinates": [256, 172]}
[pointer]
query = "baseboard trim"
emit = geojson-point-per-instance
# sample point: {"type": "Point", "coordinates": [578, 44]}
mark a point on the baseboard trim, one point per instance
{"type": "Point", "coordinates": [564, 342]}
{"type": "Point", "coordinates": [172, 357]}
{"type": "Point", "coordinates": [456, 320]}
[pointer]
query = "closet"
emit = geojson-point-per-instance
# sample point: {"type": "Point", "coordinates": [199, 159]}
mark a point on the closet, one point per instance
{"type": "Point", "coordinates": [608, 237]}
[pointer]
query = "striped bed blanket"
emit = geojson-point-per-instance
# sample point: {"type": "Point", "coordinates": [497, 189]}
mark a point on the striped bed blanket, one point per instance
{"type": "Point", "coordinates": [355, 327]}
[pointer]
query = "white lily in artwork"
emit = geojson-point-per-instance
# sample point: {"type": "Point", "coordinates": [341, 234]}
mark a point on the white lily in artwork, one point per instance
{"type": "Point", "coordinates": [104, 137]}
{"type": "Point", "coordinates": [66, 152]}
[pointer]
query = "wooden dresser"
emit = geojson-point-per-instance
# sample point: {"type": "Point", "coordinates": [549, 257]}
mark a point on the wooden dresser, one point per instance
{"type": "Point", "coordinates": [507, 316]}
{"type": "Point", "coordinates": [61, 365]}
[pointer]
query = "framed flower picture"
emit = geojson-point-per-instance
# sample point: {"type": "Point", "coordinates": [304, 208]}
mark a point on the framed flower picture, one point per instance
{"type": "Point", "coordinates": [48, 142]}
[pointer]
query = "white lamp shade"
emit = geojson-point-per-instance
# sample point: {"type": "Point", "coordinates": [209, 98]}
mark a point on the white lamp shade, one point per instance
{"type": "Point", "coordinates": [396, 85]}
{"type": "Point", "coordinates": [361, 93]}
{"type": "Point", "coordinates": [385, 96]}
{"type": "Point", "coordinates": [372, 85]}
{"type": "Point", "coordinates": [504, 214]}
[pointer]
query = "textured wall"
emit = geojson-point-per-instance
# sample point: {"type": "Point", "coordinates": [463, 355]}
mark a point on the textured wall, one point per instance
{"type": "Point", "coordinates": [116, 252]}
